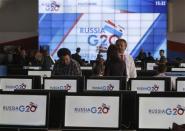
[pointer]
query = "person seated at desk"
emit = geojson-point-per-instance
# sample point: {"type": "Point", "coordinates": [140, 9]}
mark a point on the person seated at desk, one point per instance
{"type": "Point", "coordinates": [162, 68]}
{"type": "Point", "coordinates": [77, 56]}
{"type": "Point", "coordinates": [141, 56]}
{"type": "Point", "coordinates": [98, 69]}
{"type": "Point", "coordinates": [150, 58]}
{"type": "Point", "coordinates": [66, 65]}
{"type": "Point", "coordinates": [38, 59]}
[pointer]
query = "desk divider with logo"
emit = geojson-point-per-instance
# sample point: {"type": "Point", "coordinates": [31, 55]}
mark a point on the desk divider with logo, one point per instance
{"type": "Point", "coordinates": [11, 83]}
{"type": "Point", "coordinates": [159, 110]}
{"type": "Point", "coordinates": [180, 84]}
{"type": "Point", "coordinates": [56, 106]}
{"type": "Point", "coordinates": [146, 85]}
{"type": "Point", "coordinates": [93, 110]}
{"type": "Point", "coordinates": [101, 110]}
{"type": "Point", "coordinates": [24, 110]}
{"type": "Point", "coordinates": [105, 83]}
{"type": "Point", "coordinates": [68, 83]}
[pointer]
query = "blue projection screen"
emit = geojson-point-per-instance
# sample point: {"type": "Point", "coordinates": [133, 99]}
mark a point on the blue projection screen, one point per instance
{"type": "Point", "coordinates": [93, 25]}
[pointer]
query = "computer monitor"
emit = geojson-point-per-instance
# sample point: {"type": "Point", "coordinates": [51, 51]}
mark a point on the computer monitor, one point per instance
{"type": "Point", "coordinates": [11, 83]}
{"type": "Point", "coordinates": [180, 82]}
{"type": "Point", "coordinates": [24, 109]}
{"type": "Point", "coordinates": [92, 110]}
{"type": "Point", "coordinates": [41, 73]}
{"type": "Point", "coordinates": [144, 85]}
{"type": "Point", "coordinates": [150, 65]}
{"type": "Point", "coordinates": [182, 65]}
{"type": "Point", "coordinates": [68, 83]}
{"type": "Point", "coordinates": [105, 83]}
{"type": "Point", "coordinates": [32, 67]}
{"type": "Point", "coordinates": [56, 106]}
{"type": "Point", "coordinates": [178, 69]}
{"type": "Point", "coordinates": [158, 111]}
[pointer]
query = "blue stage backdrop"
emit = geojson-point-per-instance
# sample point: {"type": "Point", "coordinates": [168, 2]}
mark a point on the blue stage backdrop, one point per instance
{"type": "Point", "coordinates": [93, 25]}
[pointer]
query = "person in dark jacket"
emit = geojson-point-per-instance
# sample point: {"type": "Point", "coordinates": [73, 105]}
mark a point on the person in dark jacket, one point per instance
{"type": "Point", "coordinates": [66, 65]}
{"type": "Point", "coordinates": [115, 66]}
{"type": "Point", "coordinates": [77, 56]}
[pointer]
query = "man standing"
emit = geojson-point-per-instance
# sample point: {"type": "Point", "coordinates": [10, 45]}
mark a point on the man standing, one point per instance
{"type": "Point", "coordinates": [129, 61]}
{"type": "Point", "coordinates": [66, 65]}
{"type": "Point", "coordinates": [163, 59]}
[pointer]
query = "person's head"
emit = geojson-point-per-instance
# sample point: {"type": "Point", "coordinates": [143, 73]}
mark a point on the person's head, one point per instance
{"type": "Point", "coordinates": [149, 53]}
{"type": "Point", "coordinates": [142, 50]}
{"type": "Point", "coordinates": [113, 52]}
{"type": "Point", "coordinates": [122, 45]}
{"type": "Point", "coordinates": [38, 56]}
{"type": "Point", "coordinates": [65, 55]}
{"type": "Point", "coordinates": [161, 52]}
{"type": "Point", "coordinates": [23, 52]}
{"type": "Point", "coordinates": [78, 50]}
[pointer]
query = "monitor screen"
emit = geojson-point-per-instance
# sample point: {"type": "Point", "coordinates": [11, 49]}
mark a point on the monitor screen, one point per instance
{"type": "Point", "coordinates": [150, 66]}
{"type": "Point", "coordinates": [61, 84]}
{"type": "Point", "coordinates": [178, 69]}
{"type": "Point", "coordinates": [11, 84]}
{"type": "Point", "coordinates": [92, 111]}
{"type": "Point", "coordinates": [161, 112]}
{"type": "Point", "coordinates": [182, 65]}
{"type": "Point", "coordinates": [180, 82]}
{"type": "Point", "coordinates": [23, 110]}
{"type": "Point", "coordinates": [32, 67]}
{"type": "Point", "coordinates": [145, 86]}
{"type": "Point", "coordinates": [93, 25]}
{"type": "Point", "coordinates": [105, 83]}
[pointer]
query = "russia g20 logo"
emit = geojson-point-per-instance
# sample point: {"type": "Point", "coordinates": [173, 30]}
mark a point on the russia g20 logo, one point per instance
{"type": "Point", "coordinates": [31, 107]}
{"type": "Point", "coordinates": [62, 87]}
{"type": "Point", "coordinates": [51, 6]}
{"type": "Point", "coordinates": [103, 36]}
{"type": "Point", "coordinates": [108, 87]}
{"type": "Point", "coordinates": [179, 110]}
{"type": "Point", "coordinates": [18, 86]}
{"type": "Point", "coordinates": [176, 111]}
{"type": "Point", "coordinates": [155, 88]}
{"type": "Point", "coordinates": [103, 109]}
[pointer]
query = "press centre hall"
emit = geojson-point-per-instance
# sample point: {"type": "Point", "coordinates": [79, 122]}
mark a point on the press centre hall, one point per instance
{"type": "Point", "coordinates": [92, 65]}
